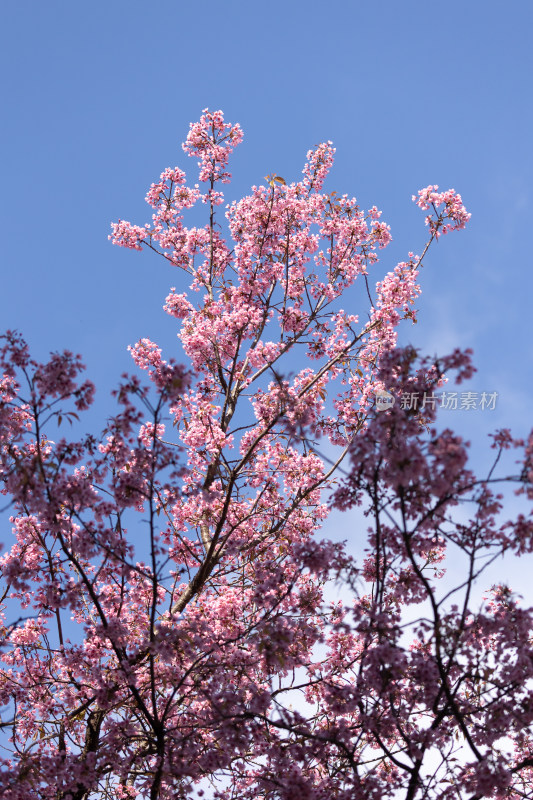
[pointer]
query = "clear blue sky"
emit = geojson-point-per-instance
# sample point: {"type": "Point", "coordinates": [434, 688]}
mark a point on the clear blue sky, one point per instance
{"type": "Point", "coordinates": [97, 97]}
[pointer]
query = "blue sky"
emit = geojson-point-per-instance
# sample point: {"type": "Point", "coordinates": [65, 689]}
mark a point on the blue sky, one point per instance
{"type": "Point", "coordinates": [97, 98]}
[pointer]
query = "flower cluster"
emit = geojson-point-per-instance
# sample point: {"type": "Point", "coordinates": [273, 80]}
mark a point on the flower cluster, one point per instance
{"type": "Point", "coordinates": [453, 211]}
{"type": "Point", "coordinates": [211, 140]}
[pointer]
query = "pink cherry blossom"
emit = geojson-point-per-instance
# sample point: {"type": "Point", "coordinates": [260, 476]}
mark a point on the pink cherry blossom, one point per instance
{"type": "Point", "coordinates": [167, 622]}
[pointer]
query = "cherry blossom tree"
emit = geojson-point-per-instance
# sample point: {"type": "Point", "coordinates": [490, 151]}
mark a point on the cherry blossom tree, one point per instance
{"type": "Point", "coordinates": [167, 630]}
